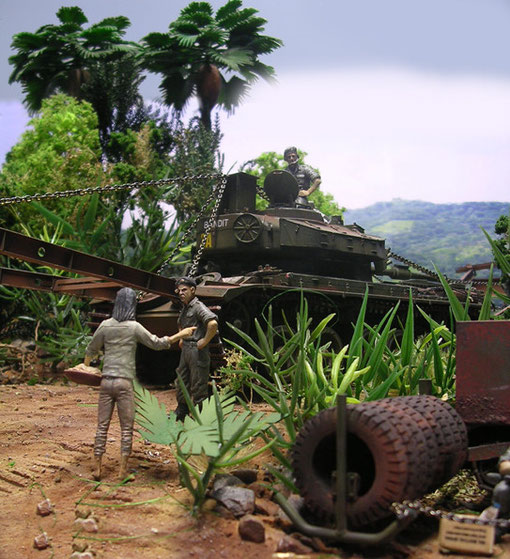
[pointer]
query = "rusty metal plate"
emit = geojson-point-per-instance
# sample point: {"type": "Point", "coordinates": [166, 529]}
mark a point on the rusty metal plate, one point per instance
{"type": "Point", "coordinates": [483, 372]}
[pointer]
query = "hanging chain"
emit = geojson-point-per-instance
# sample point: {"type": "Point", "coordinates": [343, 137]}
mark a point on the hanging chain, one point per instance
{"type": "Point", "coordinates": [414, 265]}
{"type": "Point", "coordinates": [209, 224]}
{"type": "Point", "coordinates": [262, 193]}
{"type": "Point", "coordinates": [400, 509]}
{"type": "Point", "coordinates": [201, 213]}
{"type": "Point", "coordinates": [100, 189]}
{"type": "Point", "coordinates": [428, 272]}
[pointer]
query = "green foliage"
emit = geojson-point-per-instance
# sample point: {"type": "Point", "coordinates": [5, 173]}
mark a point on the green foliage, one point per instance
{"type": "Point", "coordinates": [60, 152]}
{"type": "Point", "coordinates": [501, 251]}
{"type": "Point", "coordinates": [272, 161]}
{"type": "Point", "coordinates": [60, 58]}
{"type": "Point", "coordinates": [218, 433]}
{"type": "Point", "coordinates": [447, 234]}
{"type": "Point", "coordinates": [197, 44]}
{"type": "Point", "coordinates": [196, 153]}
{"type": "Point", "coordinates": [55, 320]}
{"type": "Point", "coordinates": [299, 375]}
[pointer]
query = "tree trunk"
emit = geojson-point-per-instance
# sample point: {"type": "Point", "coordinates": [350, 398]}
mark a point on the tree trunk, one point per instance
{"type": "Point", "coordinates": [208, 91]}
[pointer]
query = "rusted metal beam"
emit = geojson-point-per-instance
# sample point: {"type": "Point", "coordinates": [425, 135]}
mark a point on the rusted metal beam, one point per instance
{"type": "Point", "coordinates": [486, 451]}
{"type": "Point", "coordinates": [28, 249]}
{"type": "Point", "coordinates": [81, 287]}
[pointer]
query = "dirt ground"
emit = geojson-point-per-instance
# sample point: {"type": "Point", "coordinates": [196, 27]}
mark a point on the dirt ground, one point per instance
{"type": "Point", "coordinates": [46, 434]}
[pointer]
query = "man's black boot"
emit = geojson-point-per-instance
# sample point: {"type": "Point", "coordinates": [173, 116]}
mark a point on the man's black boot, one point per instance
{"type": "Point", "coordinates": [181, 411]}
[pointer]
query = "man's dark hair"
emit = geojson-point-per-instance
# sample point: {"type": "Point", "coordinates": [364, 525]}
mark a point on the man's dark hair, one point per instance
{"type": "Point", "coordinates": [125, 305]}
{"type": "Point", "coordinates": [185, 280]}
{"type": "Point", "coordinates": [292, 149]}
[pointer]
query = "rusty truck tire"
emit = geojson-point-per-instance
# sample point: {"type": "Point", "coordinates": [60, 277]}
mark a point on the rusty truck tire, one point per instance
{"type": "Point", "coordinates": [420, 439]}
{"type": "Point", "coordinates": [376, 452]}
{"type": "Point", "coordinates": [451, 433]}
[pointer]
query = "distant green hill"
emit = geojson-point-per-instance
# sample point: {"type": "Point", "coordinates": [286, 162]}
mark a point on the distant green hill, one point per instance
{"type": "Point", "coordinates": [447, 235]}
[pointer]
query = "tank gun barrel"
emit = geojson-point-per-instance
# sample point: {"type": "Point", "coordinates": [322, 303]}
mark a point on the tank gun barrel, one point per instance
{"type": "Point", "coordinates": [404, 273]}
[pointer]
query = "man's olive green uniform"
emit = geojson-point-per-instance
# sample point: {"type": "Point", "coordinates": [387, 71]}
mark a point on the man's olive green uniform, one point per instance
{"type": "Point", "coordinates": [195, 363]}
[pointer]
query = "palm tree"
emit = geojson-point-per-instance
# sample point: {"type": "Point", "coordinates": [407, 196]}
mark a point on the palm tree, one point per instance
{"type": "Point", "coordinates": [57, 58]}
{"type": "Point", "coordinates": [200, 48]}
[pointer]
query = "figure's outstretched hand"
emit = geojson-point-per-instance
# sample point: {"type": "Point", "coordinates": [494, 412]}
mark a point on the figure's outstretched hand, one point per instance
{"type": "Point", "coordinates": [187, 332]}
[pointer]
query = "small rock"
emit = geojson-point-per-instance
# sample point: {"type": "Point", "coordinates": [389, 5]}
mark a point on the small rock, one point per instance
{"type": "Point", "coordinates": [209, 504]}
{"type": "Point", "coordinates": [81, 512]}
{"type": "Point", "coordinates": [79, 546]}
{"type": "Point", "coordinates": [298, 503]}
{"type": "Point", "coordinates": [224, 480]}
{"type": "Point", "coordinates": [252, 529]}
{"type": "Point", "coordinates": [288, 544]}
{"type": "Point", "coordinates": [85, 555]}
{"type": "Point", "coordinates": [58, 478]}
{"type": "Point", "coordinates": [238, 500]}
{"type": "Point", "coordinates": [260, 489]}
{"type": "Point", "coordinates": [86, 524]}
{"type": "Point", "coordinates": [246, 475]}
{"type": "Point", "coordinates": [41, 541]}
{"type": "Point", "coordinates": [44, 508]}
{"type": "Point", "coordinates": [266, 507]}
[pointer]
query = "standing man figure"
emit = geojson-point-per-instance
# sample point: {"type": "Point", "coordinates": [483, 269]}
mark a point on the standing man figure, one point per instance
{"type": "Point", "coordinates": [308, 180]}
{"type": "Point", "coordinates": [118, 336]}
{"type": "Point", "coordinates": [195, 360]}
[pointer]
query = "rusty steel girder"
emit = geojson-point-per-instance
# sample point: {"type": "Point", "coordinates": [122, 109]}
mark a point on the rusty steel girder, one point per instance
{"type": "Point", "coordinates": [483, 372]}
{"type": "Point", "coordinates": [81, 287]}
{"type": "Point", "coordinates": [16, 245]}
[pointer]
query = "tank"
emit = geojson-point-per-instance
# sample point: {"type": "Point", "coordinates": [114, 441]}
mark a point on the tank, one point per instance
{"type": "Point", "coordinates": [249, 259]}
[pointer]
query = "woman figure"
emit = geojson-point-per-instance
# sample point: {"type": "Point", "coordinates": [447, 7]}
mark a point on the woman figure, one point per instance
{"type": "Point", "coordinates": [118, 336]}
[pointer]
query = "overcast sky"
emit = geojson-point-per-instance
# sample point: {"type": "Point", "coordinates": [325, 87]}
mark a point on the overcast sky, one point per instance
{"type": "Point", "coordinates": [390, 98]}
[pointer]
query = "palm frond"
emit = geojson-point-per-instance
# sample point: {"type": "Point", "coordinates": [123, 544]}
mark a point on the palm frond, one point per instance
{"type": "Point", "coordinates": [71, 14]}
{"type": "Point", "coordinates": [121, 23]}
{"type": "Point", "coordinates": [233, 59]}
{"type": "Point", "coordinates": [227, 11]}
{"type": "Point", "coordinates": [151, 416]}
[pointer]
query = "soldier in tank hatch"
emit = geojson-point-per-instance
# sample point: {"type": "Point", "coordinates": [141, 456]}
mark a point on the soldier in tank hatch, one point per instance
{"type": "Point", "coordinates": [195, 360]}
{"type": "Point", "coordinates": [308, 180]}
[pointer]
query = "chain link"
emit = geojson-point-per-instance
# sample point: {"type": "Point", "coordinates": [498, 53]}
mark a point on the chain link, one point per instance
{"type": "Point", "coordinates": [209, 225]}
{"type": "Point", "coordinates": [400, 509]}
{"type": "Point", "coordinates": [262, 193]}
{"type": "Point", "coordinates": [414, 265]}
{"type": "Point", "coordinates": [100, 189]}
{"type": "Point", "coordinates": [428, 272]}
{"type": "Point", "coordinates": [192, 225]}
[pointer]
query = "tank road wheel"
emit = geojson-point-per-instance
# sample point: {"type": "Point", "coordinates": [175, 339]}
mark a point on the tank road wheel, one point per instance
{"type": "Point", "coordinates": [450, 431]}
{"type": "Point", "coordinates": [236, 313]}
{"type": "Point", "coordinates": [375, 452]}
{"type": "Point", "coordinates": [331, 335]}
{"type": "Point", "coordinates": [247, 228]}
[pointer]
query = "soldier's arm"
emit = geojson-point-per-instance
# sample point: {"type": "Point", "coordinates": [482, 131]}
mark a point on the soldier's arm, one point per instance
{"type": "Point", "coordinates": [212, 328]}
{"type": "Point", "coordinates": [313, 187]}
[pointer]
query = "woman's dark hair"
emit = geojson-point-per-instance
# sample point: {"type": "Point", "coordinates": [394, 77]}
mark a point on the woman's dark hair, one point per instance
{"type": "Point", "coordinates": [125, 305]}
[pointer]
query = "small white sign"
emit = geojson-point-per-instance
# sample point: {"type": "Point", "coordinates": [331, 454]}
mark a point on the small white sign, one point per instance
{"type": "Point", "coordinates": [466, 538]}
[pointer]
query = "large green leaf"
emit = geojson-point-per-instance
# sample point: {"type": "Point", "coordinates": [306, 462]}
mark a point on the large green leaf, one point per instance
{"type": "Point", "coordinates": [151, 415]}
{"type": "Point", "coordinates": [459, 312]}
